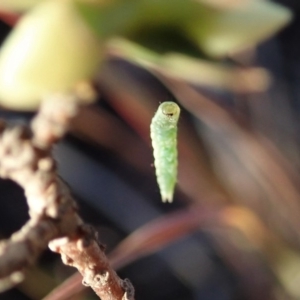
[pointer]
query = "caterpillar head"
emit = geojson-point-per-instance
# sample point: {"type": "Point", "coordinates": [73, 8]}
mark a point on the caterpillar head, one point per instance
{"type": "Point", "coordinates": [170, 111]}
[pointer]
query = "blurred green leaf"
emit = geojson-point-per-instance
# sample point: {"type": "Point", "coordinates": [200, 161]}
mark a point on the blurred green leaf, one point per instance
{"type": "Point", "coordinates": [226, 31]}
{"type": "Point", "coordinates": [185, 25]}
{"type": "Point", "coordinates": [193, 70]}
{"type": "Point", "coordinates": [127, 18]}
{"type": "Point", "coordinates": [50, 50]}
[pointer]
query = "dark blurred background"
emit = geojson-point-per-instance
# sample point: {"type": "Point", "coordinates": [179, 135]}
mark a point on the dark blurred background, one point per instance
{"type": "Point", "coordinates": [250, 160]}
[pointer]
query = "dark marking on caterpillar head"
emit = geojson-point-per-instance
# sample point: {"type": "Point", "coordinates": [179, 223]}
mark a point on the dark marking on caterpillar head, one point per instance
{"type": "Point", "coordinates": [169, 108]}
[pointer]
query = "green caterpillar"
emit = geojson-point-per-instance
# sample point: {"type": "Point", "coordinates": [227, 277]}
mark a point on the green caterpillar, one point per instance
{"type": "Point", "coordinates": [164, 141]}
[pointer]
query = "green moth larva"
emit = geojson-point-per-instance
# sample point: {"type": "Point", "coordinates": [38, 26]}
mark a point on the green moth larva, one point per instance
{"type": "Point", "coordinates": [164, 141]}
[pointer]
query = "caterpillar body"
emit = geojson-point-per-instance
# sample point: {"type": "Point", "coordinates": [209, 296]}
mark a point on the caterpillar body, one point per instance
{"type": "Point", "coordinates": [163, 130]}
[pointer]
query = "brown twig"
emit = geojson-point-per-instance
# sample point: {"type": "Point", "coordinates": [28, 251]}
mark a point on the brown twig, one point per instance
{"type": "Point", "coordinates": [25, 157]}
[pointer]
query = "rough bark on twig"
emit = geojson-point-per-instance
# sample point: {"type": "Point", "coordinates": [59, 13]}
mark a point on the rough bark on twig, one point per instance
{"type": "Point", "coordinates": [25, 157]}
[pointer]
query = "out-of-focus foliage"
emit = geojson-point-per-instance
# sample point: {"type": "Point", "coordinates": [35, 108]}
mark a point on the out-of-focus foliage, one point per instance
{"type": "Point", "coordinates": [217, 30]}
{"type": "Point", "coordinates": [52, 48]}
{"type": "Point", "coordinates": [191, 69]}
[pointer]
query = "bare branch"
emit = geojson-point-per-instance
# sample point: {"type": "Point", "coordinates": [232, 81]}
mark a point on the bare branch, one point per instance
{"type": "Point", "coordinates": [25, 157]}
{"type": "Point", "coordinates": [84, 253]}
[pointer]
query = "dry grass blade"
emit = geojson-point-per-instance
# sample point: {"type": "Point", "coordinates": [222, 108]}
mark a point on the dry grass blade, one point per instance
{"type": "Point", "coordinates": [69, 288]}
{"type": "Point", "coordinates": [158, 234]}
